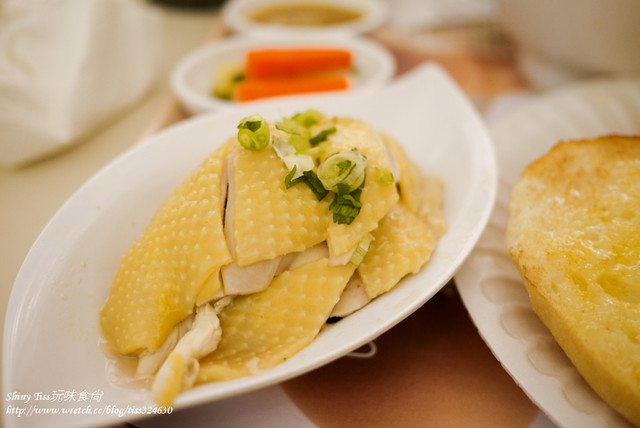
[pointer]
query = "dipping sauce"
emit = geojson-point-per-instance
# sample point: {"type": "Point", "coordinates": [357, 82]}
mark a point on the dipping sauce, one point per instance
{"type": "Point", "coordinates": [305, 14]}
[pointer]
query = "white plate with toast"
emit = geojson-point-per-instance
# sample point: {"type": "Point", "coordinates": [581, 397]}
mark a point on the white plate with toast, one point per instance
{"type": "Point", "coordinates": [52, 337]}
{"type": "Point", "coordinates": [489, 283]}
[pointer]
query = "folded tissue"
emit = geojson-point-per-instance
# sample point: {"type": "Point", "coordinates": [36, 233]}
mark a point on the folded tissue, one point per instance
{"type": "Point", "coordinates": [67, 67]}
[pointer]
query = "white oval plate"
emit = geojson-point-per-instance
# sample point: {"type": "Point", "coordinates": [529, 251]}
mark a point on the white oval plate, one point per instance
{"type": "Point", "coordinates": [52, 335]}
{"type": "Point", "coordinates": [373, 13]}
{"type": "Point", "coordinates": [489, 283]}
{"type": "Point", "coordinates": [192, 79]}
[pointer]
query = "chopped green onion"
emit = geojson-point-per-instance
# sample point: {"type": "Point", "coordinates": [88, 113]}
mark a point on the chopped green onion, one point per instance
{"type": "Point", "coordinates": [361, 249]}
{"type": "Point", "coordinates": [385, 176]}
{"type": "Point", "coordinates": [322, 135]}
{"type": "Point", "coordinates": [289, 181]}
{"type": "Point", "coordinates": [343, 188]}
{"type": "Point", "coordinates": [308, 118]}
{"type": "Point", "coordinates": [342, 173]}
{"type": "Point", "coordinates": [288, 154]}
{"type": "Point", "coordinates": [298, 136]}
{"type": "Point", "coordinates": [348, 197]}
{"type": "Point", "coordinates": [253, 133]}
{"type": "Point", "coordinates": [315, 185]}
{"type": "Point", "coordinates": [318, 150]}
{"type": "Point", "coordinates": [344, 168]}
{"type": "Point", "coordinates": [302, 163]}
{"type": "Point", "coordinates": [299, 142]}
{"type": "Point", "coordinates": [310, 179]}
{"type": "Point", "coordinates": [282, 148]}
{"type": "Point", "coordinates": [289, 129]}
{"type": "Point", "coordinates": [346, 206]}
{"type": "Point", "coordinates": [344, 212]}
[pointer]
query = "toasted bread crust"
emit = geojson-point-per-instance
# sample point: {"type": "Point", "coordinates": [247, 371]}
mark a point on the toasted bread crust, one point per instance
{"type": "Point", "coordinates": [574, 234]}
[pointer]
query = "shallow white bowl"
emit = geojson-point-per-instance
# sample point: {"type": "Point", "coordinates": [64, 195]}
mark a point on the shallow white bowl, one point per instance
{"type": "Point", "coordinates": [373, 13]}
{"type": "Point", "coordinates": [192, 79]}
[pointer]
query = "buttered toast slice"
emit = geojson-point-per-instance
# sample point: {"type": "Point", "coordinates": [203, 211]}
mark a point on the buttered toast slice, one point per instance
{"type": "Point", "coordinates": [574, 233]}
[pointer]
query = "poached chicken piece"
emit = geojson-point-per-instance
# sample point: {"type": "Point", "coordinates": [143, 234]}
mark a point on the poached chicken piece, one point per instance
{"type": "Point", "coordinates": [282, 227]}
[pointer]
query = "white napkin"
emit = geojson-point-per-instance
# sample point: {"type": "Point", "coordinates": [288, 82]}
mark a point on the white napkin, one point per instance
{"type": "Point", "coordinates": [68, 67]}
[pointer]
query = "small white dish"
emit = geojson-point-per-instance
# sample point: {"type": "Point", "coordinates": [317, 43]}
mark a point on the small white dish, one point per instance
{"type": "Point", "coordinates": [372, 13]}
{"type": "Point", "coordinates": [52, 335]}
{"type": "Point", "coordinates": [489, 282]}
{"type": "Point", "coordinates": [192, 80]}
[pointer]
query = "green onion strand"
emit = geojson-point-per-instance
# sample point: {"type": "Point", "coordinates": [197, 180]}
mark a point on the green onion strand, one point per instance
{"type": "Point", "coordinates": [315, 185]}
{"type": "Point", "coordinates": [322, 135]}
{"type": "Point", "coordinates": [253, 133]}
{"type": "Point", "coordinates": [344, 169]}
{"type": "Point", "coordinates": [361, 249]}
{"type": "Point", "coordinates": [385, 177]}
{"type": "Point", "coordinates": [308, 118]}
{"type": "Point", "coordinates": [289, 130]}
{"type": "Point", "coordinates": [346, 206]}
{"type": "Point", "coordinates": [310, 179]}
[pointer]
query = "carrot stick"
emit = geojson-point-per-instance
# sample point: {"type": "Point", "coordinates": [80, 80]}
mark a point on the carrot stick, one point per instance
{"type": "Point", "coordinates": [252, 89]}
{"type": "Point", "coordinates": [287, 62]}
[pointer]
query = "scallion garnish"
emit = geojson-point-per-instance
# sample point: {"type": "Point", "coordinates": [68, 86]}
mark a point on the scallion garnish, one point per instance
{"type": "Point", "coordinates": [318, 150]}
{"type": "Point", "coordinates": [385, 176]}
{"type": "Point", "coordinates": [344, 211]}
{"type": "Point", "coordinates": [322, 135]}
{"type": "Point", "coordinates": [289, 181]}
{"type": "Point", "coordinates": [310, 179]}
{"type": "Point", "coordinates": [299, 142]}
{"type": "Point", "coordinates": [342, 173]}
{"type": "Point", "coordinates": [308, 118]}
{"type": "Point", "coordinates": [289, 155]}
{"type": "Point", "coordinates": [289, 129]}
{"type": "Point", "coordinates": [346, 205]}
{"type": "Point", "coordinates": [315, 185]}
{"type": "Point", "coordinates": [345, 168]}
{"type": "Point", "coordinates": [298, 136]}
{"type": "Point", "coordinates": [253, 133]}
{"type": "Point", "coordinates": [361, 249]}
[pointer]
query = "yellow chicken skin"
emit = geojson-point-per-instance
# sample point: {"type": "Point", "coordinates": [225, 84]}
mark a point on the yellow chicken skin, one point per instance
{"type": "Point", "coordinates": [377, 198]}
{"type": "Point", "coordinates": [268, 217]}
{"type": "Point", "coordinates": [402, 244]}
{"type": "Point", "coordinates": [264, 329]}
{"type": "Point", "coordinates": [162, 274]}
{"type": "Point", "coordinates": [284, 226]}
